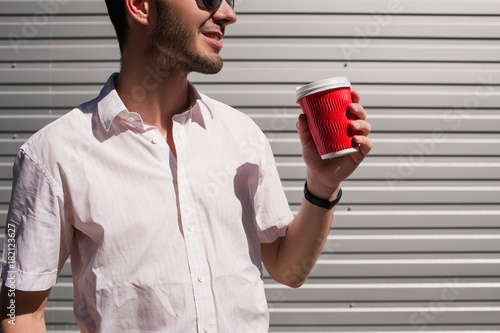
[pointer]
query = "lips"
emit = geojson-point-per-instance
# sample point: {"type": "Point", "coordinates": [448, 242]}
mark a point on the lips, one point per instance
{"type": "Point", "coordinates": [214, 37]}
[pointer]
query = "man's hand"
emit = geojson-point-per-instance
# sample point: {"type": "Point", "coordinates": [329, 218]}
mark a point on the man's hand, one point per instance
{"type": "Point", "coordinates": [325, 176]}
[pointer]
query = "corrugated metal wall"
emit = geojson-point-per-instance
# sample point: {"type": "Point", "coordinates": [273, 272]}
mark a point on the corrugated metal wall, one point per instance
{"type": "Point", "coordinates": [415, 244]}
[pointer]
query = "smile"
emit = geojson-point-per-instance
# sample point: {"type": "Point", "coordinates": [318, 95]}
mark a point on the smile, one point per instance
{"type": "Point", "coordinates": [213, 36]}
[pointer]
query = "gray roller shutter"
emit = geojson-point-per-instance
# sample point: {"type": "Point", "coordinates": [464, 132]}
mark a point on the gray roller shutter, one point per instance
{"type": "Point", "coordinates": [415, 244]}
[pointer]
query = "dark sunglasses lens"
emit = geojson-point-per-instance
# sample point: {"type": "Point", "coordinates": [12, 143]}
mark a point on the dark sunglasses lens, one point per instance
{"type": "Point", "coordinates": [212, 4]}
{"type": "Point", "coordinates": [215, 4]}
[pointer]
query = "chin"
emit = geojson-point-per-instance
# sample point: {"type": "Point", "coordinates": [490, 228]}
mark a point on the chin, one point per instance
{"type": "Point", "coordinates": [208, 65]}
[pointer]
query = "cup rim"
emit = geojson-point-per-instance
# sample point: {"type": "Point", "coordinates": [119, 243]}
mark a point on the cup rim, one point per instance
{"type": "Point", "coordinates": [321, 85]}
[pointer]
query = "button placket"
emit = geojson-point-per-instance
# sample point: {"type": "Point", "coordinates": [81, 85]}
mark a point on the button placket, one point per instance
{"type": "Point", "coordinates": [193, 235]}
{"type": "Point", "coordinates": [193, 238]}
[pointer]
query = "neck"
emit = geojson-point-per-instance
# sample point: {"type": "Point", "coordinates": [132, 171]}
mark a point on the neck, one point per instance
{"type": "Point", "coordinates": [156, 95]}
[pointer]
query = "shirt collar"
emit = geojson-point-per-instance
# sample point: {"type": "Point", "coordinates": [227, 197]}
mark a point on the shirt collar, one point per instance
{"type": "Point", "coordinates": [110, 106]}
{"type": "Point", "coordinates": [198, 110]}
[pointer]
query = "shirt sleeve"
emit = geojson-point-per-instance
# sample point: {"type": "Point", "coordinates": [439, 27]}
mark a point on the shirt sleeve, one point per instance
{"type": "Point", "coordinates": [272, 211]}
{"type": "Point", "coordinates": [33, 253]}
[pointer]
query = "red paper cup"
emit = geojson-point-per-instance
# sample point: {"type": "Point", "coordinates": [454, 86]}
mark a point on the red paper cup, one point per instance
{"type": "Point", "coordinates": [325, 105]}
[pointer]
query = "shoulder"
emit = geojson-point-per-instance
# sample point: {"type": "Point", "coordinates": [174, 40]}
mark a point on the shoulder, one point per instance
{"type": "Point", "coordinates": [55, 143]}
{"type": "Point", "coordinates": [63, 128]}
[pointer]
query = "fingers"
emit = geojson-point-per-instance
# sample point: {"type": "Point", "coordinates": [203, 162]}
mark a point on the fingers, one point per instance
{"type": "Point", "coordinates": [365, 144]}
{"type": "Point", "coordinates": [360, 127]}
{"type": "Point", "coordinates": [356, 110]}
{"type": "Point", "coordinates": [355, 96]}
{"type": "Point", "coordinates": [358, 114]}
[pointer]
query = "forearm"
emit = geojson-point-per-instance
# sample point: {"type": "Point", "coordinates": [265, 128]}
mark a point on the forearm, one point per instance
{"type": "Point", "coordinates": [24, 323]}
{"type": "Point", "coordinates": [297, 252]}
{"type": "Point", "coordinates": [22, 311]}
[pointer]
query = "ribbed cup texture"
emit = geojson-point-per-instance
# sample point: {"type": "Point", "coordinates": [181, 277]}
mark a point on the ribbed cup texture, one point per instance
{"type": "Point", "coordinates": [326, 113]}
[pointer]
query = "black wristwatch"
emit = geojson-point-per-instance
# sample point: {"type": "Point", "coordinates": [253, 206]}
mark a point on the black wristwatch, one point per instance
{"type": "Point", "coordinates": [323, 203]}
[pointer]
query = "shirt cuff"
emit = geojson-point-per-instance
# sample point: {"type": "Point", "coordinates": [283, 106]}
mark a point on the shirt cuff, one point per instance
{"type": "Point", "coordinates": [278, 230]}
{"type": "Point", "coordinates": [27, 281]}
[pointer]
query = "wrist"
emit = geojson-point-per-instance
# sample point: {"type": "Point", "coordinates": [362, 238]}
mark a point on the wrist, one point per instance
{"type": "Point", "coordinates": [322, 203]}
{"type": "Point", "coordinates": [320, 190]}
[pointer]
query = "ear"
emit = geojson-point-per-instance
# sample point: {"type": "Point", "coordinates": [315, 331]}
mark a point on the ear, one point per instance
{"type": "Point", "coordinates": [138, 10]}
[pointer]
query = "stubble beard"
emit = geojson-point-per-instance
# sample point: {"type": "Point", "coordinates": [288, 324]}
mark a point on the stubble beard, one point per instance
{"type": "Point", "coordinates": [172, 49]}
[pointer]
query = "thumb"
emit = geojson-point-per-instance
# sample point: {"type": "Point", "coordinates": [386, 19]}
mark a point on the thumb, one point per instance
{"type": "Point", "coordinates": [306, 139]}
{"type": "Point", "coordinates": [303, 130]}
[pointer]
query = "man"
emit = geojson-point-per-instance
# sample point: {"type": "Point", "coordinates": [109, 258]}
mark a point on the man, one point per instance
{"type": "Point", "coordinates": [124, 184]}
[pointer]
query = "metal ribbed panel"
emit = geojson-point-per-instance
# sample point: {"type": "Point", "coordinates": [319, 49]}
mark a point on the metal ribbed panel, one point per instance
{"type": "Point", "coordinates": [415, 241]}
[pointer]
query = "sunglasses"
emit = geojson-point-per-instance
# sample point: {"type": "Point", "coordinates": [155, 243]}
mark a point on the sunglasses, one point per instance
{"type": "Point", "coordinates": [213, 4]}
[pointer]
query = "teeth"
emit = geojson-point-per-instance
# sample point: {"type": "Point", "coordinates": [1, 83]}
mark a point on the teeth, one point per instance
{"type": "Point", "coordinates": [213, 36]}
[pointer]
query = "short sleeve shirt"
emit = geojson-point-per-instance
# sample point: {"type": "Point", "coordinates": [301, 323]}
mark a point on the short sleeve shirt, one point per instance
{"type": "Point", "coordinates": [157, 243]}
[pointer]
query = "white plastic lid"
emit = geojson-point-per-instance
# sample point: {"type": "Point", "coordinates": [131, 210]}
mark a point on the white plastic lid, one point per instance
{"type": "Point", "coordinates": [322, 85]}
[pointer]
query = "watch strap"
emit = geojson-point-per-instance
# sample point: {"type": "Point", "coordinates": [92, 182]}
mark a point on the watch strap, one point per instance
{"type": "Point", "coordinates": [323, 203]}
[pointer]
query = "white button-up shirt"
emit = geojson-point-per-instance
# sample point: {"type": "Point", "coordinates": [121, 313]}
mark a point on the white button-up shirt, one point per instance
{"type": "Point", "coordinates": [157, 244]}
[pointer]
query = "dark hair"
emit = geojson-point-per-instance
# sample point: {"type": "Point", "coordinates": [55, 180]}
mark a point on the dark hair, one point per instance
{"type": "Point", "coordinates": [116, 12]}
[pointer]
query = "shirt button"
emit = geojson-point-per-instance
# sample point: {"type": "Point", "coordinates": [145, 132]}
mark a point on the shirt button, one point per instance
{"type": "Point", "coordinates": [206, 329]}
{"type": "Point", "coordinates": [190, 227]}
{"type": "Point", "coordinates": [131, 119]}
{"type": "Point", "coordinates": [201, 278]}
{"type": "Point", "coordinates": [154, 141]}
